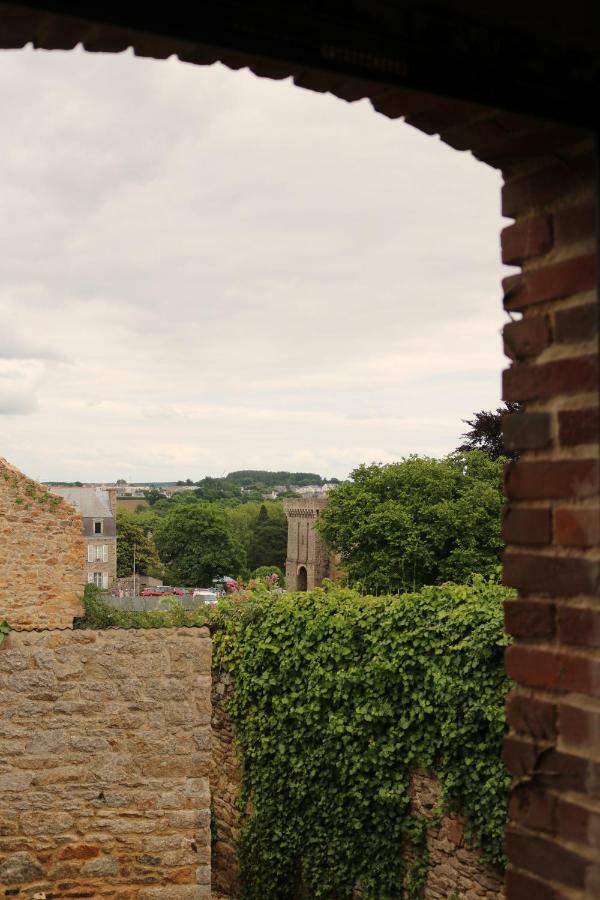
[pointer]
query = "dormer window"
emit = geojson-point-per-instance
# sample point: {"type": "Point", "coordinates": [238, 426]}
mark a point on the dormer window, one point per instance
{"type": "Point", "coordinates": [97, 526]}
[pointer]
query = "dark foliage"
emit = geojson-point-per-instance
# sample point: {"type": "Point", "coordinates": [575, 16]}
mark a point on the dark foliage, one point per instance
{"type": "Point", "coordinates": [485, 431]}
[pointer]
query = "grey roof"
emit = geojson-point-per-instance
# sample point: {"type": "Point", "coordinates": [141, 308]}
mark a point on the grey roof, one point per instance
{"type": "Point", "coordinates": [93, 503]}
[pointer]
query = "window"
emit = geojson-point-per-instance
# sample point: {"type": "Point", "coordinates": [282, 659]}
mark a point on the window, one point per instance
{"type": "Point", "coordinates": [98, 526]}
{"type": "Point", "coordinates": [100, 579]}
{"type": "Point", "coordinates": [97, 553]}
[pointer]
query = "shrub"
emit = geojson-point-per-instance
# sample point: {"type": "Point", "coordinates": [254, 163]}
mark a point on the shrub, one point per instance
{"type": "Point", "coordinates": [99, 614]}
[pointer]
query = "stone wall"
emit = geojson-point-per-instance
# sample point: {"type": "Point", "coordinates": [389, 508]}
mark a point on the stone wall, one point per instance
{"type": "Point", "coordinates": [42, 553]}
{"type": "Point", "coordinates": [104, 764]}
{"type": "Point", "coordinates": [454, 869]}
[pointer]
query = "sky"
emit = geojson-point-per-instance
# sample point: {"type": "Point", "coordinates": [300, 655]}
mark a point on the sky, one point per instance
{"type": "Point", "coordinates": [204, 271]}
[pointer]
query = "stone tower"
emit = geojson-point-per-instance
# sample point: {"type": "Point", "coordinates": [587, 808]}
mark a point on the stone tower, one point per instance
{"type": "Point", "coordinates": [307, 561]}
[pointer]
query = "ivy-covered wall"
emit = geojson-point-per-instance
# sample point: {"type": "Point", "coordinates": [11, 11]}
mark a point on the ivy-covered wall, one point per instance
{"type": "Point", "coordinates": [339, 700]}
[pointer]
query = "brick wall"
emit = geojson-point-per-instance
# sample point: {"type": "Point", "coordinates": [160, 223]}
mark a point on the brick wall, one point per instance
{"type": "Point", "coordinates": [42, 554]}
{"type": "Point", "coordinates": [552, 528]}
{"type": "Point", "coordinates": [104, 764]}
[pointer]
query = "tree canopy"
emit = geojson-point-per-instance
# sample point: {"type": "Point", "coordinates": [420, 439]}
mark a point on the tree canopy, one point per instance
{"type": "Point", "coordinates": [196, 542]}
{"type": "Point", "coordinates": [416, 522]}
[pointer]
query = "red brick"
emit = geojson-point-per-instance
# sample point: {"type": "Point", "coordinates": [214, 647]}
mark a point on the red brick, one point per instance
{"type": "Point", "coordinates": [577, 527]}
{"type": "Point", "coordinates": [564, 376]}
{"type": "Point", "coordinates": [533, 191]}
{"type": "Point", "coordinates": [526, 431]}
{"type": "Point", "coordinates": [551, 282]}
{"type": "Point", "coordinates": [543, 856]}
{"type": "Point", "coordinates": [579, 726]}
{"type": "Point", "coordinates": [523, 618]}
{"type": "Point", "coordinates": [577, 323]}
{"type": "Point", "coordinates": [553, 670]}
{"type": "Point", "coordinates": [578, 824]}
{"type": "Point", "coordinates": [537, 574]}
{"type": "Point", "coordinates": [527, 715]}
{"type": "Point", "coordinates": [527, 337]}
{"type": "Point", "coordinates": [521, 887]}
{"type": "Point", "coordinates": [519, 756]}
{"type": "Point", "coordinates": [579, 426]}
{"type": "Point", "coordinates": [534, 808]}
{"type": "Point", "coordinates": [526, 238]}
{"type": "Point", "coordinates": [550, 480]}
{"type": "Point", "coordinates": [579, 625]}
{"type": "Point", "coordinates": [562, 771]}
{"type": "Point", "coordinates": [527, 525]}
{"type": "Point", "coordinates": [575, 224]}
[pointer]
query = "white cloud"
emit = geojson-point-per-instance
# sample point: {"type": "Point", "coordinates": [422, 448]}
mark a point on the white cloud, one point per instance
{"type": "Point", "coordinates": [238, 272]}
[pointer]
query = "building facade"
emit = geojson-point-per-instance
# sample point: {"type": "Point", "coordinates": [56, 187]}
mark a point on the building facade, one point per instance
{"type": "Point", "coordinates": [98, 507]}
{"type": "Point", "coordinates": [308, 558]}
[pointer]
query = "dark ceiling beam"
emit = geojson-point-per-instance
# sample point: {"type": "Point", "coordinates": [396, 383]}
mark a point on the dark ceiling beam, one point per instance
{"type": "Point", "coordinates": [454, 50]}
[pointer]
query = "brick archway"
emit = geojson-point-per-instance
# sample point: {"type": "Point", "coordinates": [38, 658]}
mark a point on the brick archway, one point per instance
{"type": "Point", "coordinates": [552, 523]}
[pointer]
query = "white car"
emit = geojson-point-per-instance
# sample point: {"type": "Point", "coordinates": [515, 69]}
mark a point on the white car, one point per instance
{"type": "Point", "coordinates": [206, 595]}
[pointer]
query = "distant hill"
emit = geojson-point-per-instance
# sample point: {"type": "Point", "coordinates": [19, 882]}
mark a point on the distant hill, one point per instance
{"type": "Point", "coordinates": [247, 477]}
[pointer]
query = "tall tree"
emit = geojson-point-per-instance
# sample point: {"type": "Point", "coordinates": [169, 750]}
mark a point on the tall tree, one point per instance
{"type": "Point", "coordinates": [485, 431]}
{"type": "Point", "coordinates": [196, 542]}
{"type": "Point", "coordinates": [135, 533]}
{"type": "Point", "coordinates": [419, 521]}
{"type": "Point", "coordinates": [268, 545]}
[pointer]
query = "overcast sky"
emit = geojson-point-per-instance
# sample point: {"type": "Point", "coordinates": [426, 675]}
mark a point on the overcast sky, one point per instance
{"type": "Point", "coordinates": [204, 271]}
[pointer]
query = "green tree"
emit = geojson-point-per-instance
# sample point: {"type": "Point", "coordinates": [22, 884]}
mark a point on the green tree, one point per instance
{"type": "Point", "coordinates": [196, 542]}
{"type": "Point", "coordinates": [419, 521]}
{"type": "Point", "coordinates": [269, 540]}
{"type": "Point", "coordinates": [133, 531]}
{"type": "Point", "coordinates": [218, 489]}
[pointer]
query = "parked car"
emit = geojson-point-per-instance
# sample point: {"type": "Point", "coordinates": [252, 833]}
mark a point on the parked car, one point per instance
{"type": "Point", "coordinates": [206, 595]}
{"type": "Point", "coordinates": [162, 590]}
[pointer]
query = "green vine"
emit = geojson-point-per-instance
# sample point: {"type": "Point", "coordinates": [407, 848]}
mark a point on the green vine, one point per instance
{"type": "Point", "coordinates": [338, 698]}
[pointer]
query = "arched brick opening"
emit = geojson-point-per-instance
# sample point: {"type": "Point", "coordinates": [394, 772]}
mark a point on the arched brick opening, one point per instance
{"type": "Point", "coordinates": [552, 522]}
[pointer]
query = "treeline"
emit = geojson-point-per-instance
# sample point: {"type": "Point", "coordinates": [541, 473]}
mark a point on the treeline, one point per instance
{"type": "Point", "coordinates": [249, 477]}
{"type": "Point", "coordinates": [188, 540]}
{"type": "Point", "coordinates": [249, 485]}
